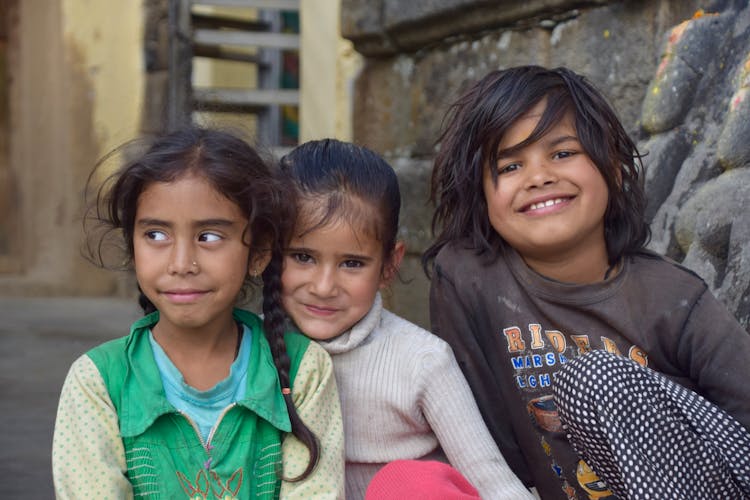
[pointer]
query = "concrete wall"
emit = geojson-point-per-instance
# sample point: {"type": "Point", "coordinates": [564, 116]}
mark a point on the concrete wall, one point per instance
{"type": "Point", "coordinates": [420, 55]}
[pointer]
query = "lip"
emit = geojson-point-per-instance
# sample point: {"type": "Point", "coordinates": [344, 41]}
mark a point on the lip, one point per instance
{"type": "Point", "coordinates": [320, 310]}
{"type": "Point", "coordinates": [184, 296]}
{"type": "Point", "coordinates": [546, 205]}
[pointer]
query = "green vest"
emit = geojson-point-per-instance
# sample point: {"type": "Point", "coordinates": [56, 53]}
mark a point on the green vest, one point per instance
{"type": "Point", "coordinates": [165, 454]}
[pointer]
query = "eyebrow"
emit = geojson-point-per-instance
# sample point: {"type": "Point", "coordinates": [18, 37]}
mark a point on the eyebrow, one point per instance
{"type": "Point", "coordinates": [147, 221]}
{"type": "Point", "coordinates": [563, 138]}
{"type": "Point", "coordinates": [510, 152]}
{"type": "Point", "coordinates": [352, 256]}
{"type": "Point", "coordinates": [347, 256]}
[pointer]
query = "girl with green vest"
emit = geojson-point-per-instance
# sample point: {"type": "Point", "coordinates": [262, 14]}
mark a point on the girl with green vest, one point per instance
{"type": "Point", "coordinates": [202, 399]}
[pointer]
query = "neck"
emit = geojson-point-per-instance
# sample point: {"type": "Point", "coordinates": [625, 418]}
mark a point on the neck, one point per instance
{"type": "Point", "coordinates": [203, 357]}
{"type": "Point", "coordinates": [580, 269]}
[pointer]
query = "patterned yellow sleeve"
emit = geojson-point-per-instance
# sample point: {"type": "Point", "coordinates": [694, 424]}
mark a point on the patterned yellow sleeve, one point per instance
{"type": "Point", "coordinates": [88, 458]}
{"type": "Point", "coordinates": [317, 401]}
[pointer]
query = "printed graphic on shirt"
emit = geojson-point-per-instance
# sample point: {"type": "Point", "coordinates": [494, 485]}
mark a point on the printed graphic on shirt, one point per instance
{"type": "Point", "coordinates": [591, 484]}
{"type": "Point", "coordinates": [206, 483]}
{"type": "Point", "coordinates": [199, 490]}
{"type": "Point", "coordinates": [544, 413]}
{"type": "Point", "coordinates": [535, 355]}
{"type": "Point", "coordinates": [568, 489]}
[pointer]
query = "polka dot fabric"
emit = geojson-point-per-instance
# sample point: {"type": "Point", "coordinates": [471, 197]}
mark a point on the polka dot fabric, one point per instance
{"type": "Point", "coordinates": [648, 437]}
{"type": "Point", "coordinates": [88, 458]}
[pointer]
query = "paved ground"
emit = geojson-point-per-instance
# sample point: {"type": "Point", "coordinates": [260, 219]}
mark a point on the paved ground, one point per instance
{"type": "Point", "coordinates": [39, 339]}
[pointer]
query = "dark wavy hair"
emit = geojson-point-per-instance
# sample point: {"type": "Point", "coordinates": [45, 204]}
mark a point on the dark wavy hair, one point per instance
{"type": "Point", "coordinates": [234, 169]}
{"type": "Point", "coordinates": [474, 127]}
{"type": "Point", "coordinates": [335, 179]}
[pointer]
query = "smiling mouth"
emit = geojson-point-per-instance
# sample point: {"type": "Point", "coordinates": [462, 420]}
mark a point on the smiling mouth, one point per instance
{"type": "Point", "coordinates": [546, 204]}
{"type": "Point", "coordinates": [184, 296]}
{"type": "Point", "coordinates": [320, 311]}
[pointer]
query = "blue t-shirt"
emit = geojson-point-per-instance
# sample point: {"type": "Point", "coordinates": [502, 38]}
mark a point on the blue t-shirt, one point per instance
{"type": "Point", "coordinates": [204, 407]}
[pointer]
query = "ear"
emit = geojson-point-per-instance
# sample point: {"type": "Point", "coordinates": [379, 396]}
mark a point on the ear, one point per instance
{"type": "Point", "coordinates": [257, 263]}
{"type": "Point", "coordinates": [390, 269]}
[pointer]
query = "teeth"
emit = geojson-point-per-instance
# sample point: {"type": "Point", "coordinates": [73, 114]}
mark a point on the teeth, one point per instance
{"type": "Point", "coordinates": [547, 203]}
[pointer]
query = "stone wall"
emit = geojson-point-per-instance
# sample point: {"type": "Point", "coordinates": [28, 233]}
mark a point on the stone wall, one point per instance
{"type": "Point", "coordinates": [677, 75]}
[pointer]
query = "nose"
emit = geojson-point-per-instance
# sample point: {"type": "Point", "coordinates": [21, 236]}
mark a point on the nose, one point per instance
{"type": "Point", "coordinates": [323, 283]}
{"type": "Point", "coordinates": [539, 173]}
{"type": "Point", "coordinates": [182, 260]}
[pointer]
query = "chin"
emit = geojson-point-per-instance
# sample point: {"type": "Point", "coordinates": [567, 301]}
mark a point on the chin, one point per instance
{"type": "Point", "coordinates": [310, 330]}
{"type": "Point", "coordinates": [322, 336]}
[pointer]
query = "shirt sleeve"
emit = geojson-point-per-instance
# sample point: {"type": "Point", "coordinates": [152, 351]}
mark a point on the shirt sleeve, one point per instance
{"type": "Point", "coordinates": [455, 321]}
{"type": "Point", "coordinates": [714, 350]}
{"type": "Point", "coordinates": [88, 457]}
{"type": "Point", "coordinates": [317, 402]}
{"type": "Point", "coordinates": [454, 417]}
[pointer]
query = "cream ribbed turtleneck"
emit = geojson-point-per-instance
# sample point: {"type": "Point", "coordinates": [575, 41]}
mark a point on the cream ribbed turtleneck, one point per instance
{"type": "Point", "coordinates": [404, 397]}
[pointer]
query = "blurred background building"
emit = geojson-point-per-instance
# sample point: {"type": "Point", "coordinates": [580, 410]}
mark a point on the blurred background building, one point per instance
{"type": "Point", "coordinates": [79, 77]}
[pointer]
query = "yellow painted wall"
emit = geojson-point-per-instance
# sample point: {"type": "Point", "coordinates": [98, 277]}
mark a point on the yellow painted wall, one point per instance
{"type": "Point", "coordinates": [328, 66]}
{"type": "Point", "coordinates": [76, 92]}
{"type": "Point", "coordinates": [109, 35]}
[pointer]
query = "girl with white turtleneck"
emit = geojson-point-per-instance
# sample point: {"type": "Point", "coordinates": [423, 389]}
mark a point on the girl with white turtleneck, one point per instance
{"type": "Point", "coordinates": [403, 394]}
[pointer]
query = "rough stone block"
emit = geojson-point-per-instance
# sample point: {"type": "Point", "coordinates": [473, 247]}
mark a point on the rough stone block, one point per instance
{"type": "Point", "coordinates": [409, 296]}
{"type": "Point", "coordinates": [362, 23]}
{"type": "Point", "coordinates": [403, 100]}
{"type": "Point", "coordinates": [714, 235]}
{"type": "Point", "coordinates": [664, 156]}
{"type": "Point", "coordinates": [416, 211]}
{"type": "Point", "coordinates": [686, 54]}
{"type": "Point", "coordinates": [594, 43]}
{"type": "Point", "coordinates": [385, 27]}
{"type": "Point", "coordinates": [668, 98]}
{"type": "Point", "coordinates": [733, 148]}
{"type": "Point", "coordinates": [382, 108]}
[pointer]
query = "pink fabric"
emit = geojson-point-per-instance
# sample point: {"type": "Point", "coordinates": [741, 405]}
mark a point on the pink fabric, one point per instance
{"type": "Point", "coordinates": [419, 480]}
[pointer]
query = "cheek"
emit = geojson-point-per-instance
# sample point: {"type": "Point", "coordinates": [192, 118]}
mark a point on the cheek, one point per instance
{"type": "Point", "coordinates": [141, 259]}
{"type": "Point", "coordinates": [497, 203]}
{"type": "Point", "coordinates": [602, 190]}
{"type": "Point", "coordinates": [291, 278]}
{"type": "Point", "coordinates": [286, 281]}
{"type": "Point", "coordinates": [489, 191]}
{"type": "Point", "coordinates": [367, 287]}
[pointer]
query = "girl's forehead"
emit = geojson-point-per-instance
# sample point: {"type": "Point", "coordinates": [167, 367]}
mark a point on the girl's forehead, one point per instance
{"type": "Point", "coordinates": [328, 212]}
{"type": "Point", "coordinates": [526, 125]}
{"type": "Point", "coordinates": [196, 188]}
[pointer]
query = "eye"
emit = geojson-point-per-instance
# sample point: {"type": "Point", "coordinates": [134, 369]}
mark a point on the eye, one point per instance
{"type": "Point", "coordinates": [560, 155]}
{"type": "Point", "coordinates": [302, 258]}
{"type": "Point", "coordinates": [507, 168]}
{"type": "Point", "coordinates": [209, 237]}
{"type": "Point", "coordinates": [352, 264]}
{"type": "Point", "coordinates": [156, 235]}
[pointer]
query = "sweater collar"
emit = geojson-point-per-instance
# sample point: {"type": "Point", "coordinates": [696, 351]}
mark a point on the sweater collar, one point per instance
{"type": "Point", "coordinates": [358, 333]}
{"type": "Point", "coordinates": [144, 399]}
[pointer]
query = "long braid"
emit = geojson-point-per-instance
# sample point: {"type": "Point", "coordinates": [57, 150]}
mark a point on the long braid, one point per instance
{"type": "Point", "coordinates": [143, 301]}
{"type": "Point", "coordinates": [274, 325]}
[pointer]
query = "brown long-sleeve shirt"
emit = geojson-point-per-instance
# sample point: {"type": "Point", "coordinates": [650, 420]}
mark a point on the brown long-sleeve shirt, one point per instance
{"type": "Point", "coordinates": [512, 329]}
